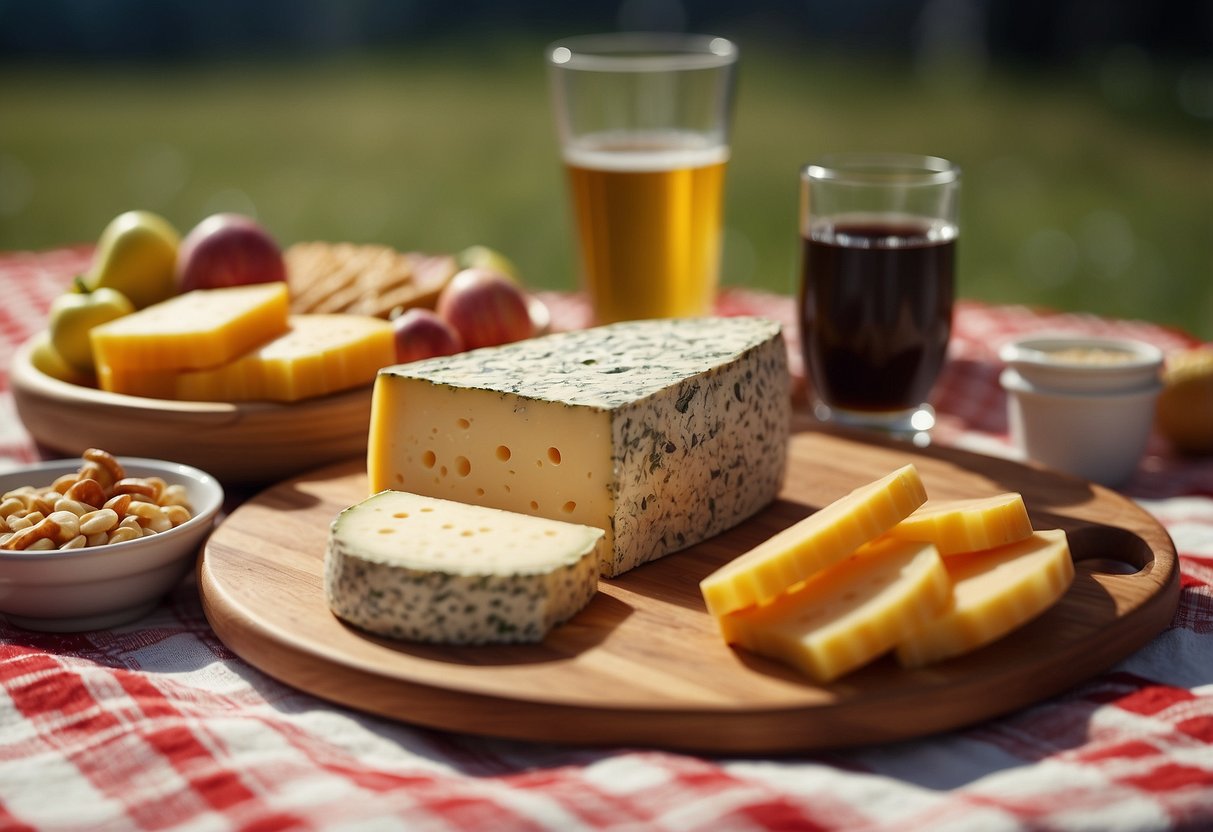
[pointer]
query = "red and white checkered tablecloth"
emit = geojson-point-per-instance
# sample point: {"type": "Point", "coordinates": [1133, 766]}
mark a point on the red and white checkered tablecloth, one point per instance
{"type": "Point", "coordinates": [157, 725]}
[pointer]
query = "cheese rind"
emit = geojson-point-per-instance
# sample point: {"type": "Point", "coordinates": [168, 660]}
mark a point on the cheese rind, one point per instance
{"type": "Point", "coordinates": [961, 526]}
{"type": "Point", "coordinates": [847, 614]}
{"type": "Point", "coordinates": [423, 569]}
{"type": "Point", "coordinates": [993, 593]}
{"type": "Point", "coordinates": [320, 354]}
{"type": "Point", "coordinates": [202, 328]}
{"type": "Point", "coordinates": [821, 539]}
{"type": "Point", "coordinates": [662, 432]}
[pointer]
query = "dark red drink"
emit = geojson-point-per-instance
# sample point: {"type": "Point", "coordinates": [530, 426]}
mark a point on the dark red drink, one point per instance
{"type": "Point", "coordinates": [876, 311]}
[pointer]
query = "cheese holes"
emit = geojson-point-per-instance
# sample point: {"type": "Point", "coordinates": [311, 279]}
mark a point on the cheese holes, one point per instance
{"type": "Point", "coordinates": [387, 531]}
{"type": "Point", "coordinates": [479, 492]}
{"type": "Point", "coordinates": [569, 507]}
{"type": "Point", "coordinates": [554, 456]}
{"type": "Point", "coordinates": [503, 453]}
{"type": "Point", "coordinates": [462, 466]}
{"type": "Point", "coordinates": [463, 424]}
{"type": "Point", "coordinates": [428, 459]}
{"type": "Point", "coordinates": [401, 515]}
{"type": "Point", "coordinates": [534, 506]}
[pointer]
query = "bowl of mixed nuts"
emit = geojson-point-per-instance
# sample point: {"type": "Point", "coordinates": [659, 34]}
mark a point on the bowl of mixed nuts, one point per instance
{"type": "Point", "coordinates": [94, 542]}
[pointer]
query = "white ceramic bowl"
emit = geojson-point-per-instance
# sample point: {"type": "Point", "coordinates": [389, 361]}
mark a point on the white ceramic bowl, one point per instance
{"type": "Point", "coordinates": [101, 587]}
{"type": "Point", "coordinates": [1074, 364]}
{"type": "Point", "coordinates": [1093, 435]}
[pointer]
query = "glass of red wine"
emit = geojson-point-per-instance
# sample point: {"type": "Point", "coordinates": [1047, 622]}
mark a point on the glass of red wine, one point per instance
{"type": "Point", "coordinates": [878, 247]}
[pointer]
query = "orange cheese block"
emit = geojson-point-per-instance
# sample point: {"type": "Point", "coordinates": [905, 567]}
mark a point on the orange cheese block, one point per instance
{"type": "Point", "coordinates": [320, 354]}
{"type": "Point", "coordinates": [203, 328]}
{"type": "Point", "coordinates": [960, 526]}
{"type": "Point", "coordinates": [993, 593]}
{"type": "Point", "coordinates": [849, 613]}
{"type": "Point", "coordinates": [821, 539]}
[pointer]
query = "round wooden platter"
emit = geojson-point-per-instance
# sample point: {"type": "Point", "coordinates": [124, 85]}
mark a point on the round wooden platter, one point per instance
{"type": "Point", "coordinates": [643, 663]}
{"type": "Point", "coordinates": [238, 443]}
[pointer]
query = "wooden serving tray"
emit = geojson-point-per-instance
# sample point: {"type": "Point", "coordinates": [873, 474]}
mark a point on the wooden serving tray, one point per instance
{"type": "Point", "coordinates": [643, 663]}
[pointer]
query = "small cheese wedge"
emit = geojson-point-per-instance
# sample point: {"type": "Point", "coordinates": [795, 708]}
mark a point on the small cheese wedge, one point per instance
{"type": "Point", "coordinates": [823, 538]}
{"type": "Point", "coordinates": [424, 569]}
{"type": "Point", "coordinates": [849, 613]}
{"type": "Point", "coordinates": [203, 328]}
{"type": "Point", "coordinates": [993, 593]}
{"type": "Point", "coordinates": [962, 526]}
{"type": "Point", "coordinates": [320, 354]}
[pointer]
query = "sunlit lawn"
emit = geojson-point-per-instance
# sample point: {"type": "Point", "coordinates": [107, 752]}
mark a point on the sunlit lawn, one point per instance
{"type": "Point", "coordinates": [1068, 202]}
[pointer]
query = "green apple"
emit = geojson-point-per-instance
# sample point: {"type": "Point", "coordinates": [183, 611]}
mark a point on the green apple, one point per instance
{"type": "Point", "coordinates": [137, 255]}
{"type": "Point", "coordinates": [483, 257]}
{"type": "Point", "coordinates": [47, 360]}
{"type": "Point", "coordinates": [73, 316]}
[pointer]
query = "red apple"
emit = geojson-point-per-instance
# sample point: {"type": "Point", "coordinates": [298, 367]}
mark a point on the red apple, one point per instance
{"type": "Point", "coordinates": [486, 308]}
{"type": "Point", "coordinates": [421, 333]}
{"type": "Point", "coordinates": [228, 250]}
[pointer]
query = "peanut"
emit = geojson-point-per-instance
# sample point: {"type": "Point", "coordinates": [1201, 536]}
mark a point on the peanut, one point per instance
{"type": "Point", "coordinates": [87, 490]}
{"type": "Point", "coordinates": [125, 533]}
{"type": "Point", "coordinates": [106, 460]}
{"type": "Point", "coordinates": [101, 520]}
{"type": "Point", "coordinates": [134, 486]}
{"type": "Point", "coordinates": [77, 542]}
{"type": "Point", "coordinates": [120, 503]}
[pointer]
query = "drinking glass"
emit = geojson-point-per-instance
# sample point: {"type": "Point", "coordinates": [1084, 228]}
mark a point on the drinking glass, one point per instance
{"type": "Point", "coordinates": [878, 249]}
{"type": "Point", "coordinates": [643, 123]}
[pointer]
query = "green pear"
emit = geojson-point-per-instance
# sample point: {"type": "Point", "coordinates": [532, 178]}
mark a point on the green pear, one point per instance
{"type": "Point", "coordinates": [136, 255]}
{"type": "Point", "coordinates": [483, 257]}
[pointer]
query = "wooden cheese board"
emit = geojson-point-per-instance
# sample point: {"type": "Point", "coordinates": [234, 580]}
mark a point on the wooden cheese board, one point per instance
{"type": "Point", "coordinates": [643, 663]}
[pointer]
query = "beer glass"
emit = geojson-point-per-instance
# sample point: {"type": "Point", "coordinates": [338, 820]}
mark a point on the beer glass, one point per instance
{"type": "Point", "coordinates": [643, 125]}
{"type": "Point", "coordinates": [878, 248]}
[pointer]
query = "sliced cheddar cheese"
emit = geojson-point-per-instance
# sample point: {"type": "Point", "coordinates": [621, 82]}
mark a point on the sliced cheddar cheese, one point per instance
{"type": "Point", "coordinates": [821, 539]}
{"type": "Point", "coordinates": [320, 354]}
{"type": "Point", "coordinates": [848, 614]}
{"type": "Point", "coordinates": [203, 328]}
{"type": "Point", "coordinates": [960, 526]}
{"type": "Point", "coordinates": [993, 593]}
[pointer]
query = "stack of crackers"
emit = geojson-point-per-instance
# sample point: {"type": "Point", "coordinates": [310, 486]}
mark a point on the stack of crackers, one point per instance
{"type": "Point", "coordinates": [364, 279]}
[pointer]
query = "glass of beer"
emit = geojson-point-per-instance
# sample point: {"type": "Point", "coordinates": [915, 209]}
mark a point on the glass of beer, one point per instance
{"type": "Point", "coordinates": [643, 123]}
{"type": "Point", "coordinates": [878, 249]}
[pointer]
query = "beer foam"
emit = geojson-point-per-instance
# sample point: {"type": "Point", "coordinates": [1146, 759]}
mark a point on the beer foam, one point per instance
{"type": "Point", "coordinates": [645, 152]}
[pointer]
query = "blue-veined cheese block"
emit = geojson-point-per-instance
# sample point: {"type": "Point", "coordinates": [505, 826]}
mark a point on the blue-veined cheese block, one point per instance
{"type": "Point", "coordinates": [661, 432]}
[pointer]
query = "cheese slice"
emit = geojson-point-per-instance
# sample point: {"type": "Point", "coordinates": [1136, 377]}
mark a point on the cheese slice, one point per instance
{"type": "Point", "coordinates": [993, 593]}
{"type": "Point", "coordinates": [423, 569]}
{"type": "Point", "coordinates": [961, 526]}
{"type": "Point", "coordinates": [821, 539]}
{"type": "Point", "coordinates": [847, 614]}
{"type": "Point", "coordinates": [320, 354]}
{"type": "Point", "coordinates": [203, 328]}
{"type": "Point", "coordinates": [660, 432]}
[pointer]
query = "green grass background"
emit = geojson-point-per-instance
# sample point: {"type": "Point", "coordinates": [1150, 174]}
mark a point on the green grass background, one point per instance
{"type": "Point", "coordinates": [1075, 197]}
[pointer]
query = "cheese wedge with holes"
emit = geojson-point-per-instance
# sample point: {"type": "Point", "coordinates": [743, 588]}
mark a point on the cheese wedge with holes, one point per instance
{"type": "Point", "coordinates": [418, 568]}
{"type": "Point", "coordinates": [993, 593]}
{"type": "Point", "coordinates": [849, 613]}
{"type": "Point", "coordinates": [961, 526]}
{"type": "Point", "coordinates": [660, 432]}
{"type": "Point", "coordinates": [203, 328]}
{"type": "Point", "coordinates": [821, 539]}
{"type": "Point", "coordinates": [318, 355]}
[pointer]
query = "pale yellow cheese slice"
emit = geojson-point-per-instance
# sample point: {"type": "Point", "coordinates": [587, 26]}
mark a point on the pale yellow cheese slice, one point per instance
{"type": "Point", "coordinates": [849, 613]}
{"type": "Point", "coordinates": [824, 537]}
{"type": "Point", "coordinates": [203, 328]}
{"type": "Point", "coordinates": [993, 593]}
{"type": "Point", "coordinates": [320, 354]}
{"type": "Point", "coordinates": [961, 526]}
